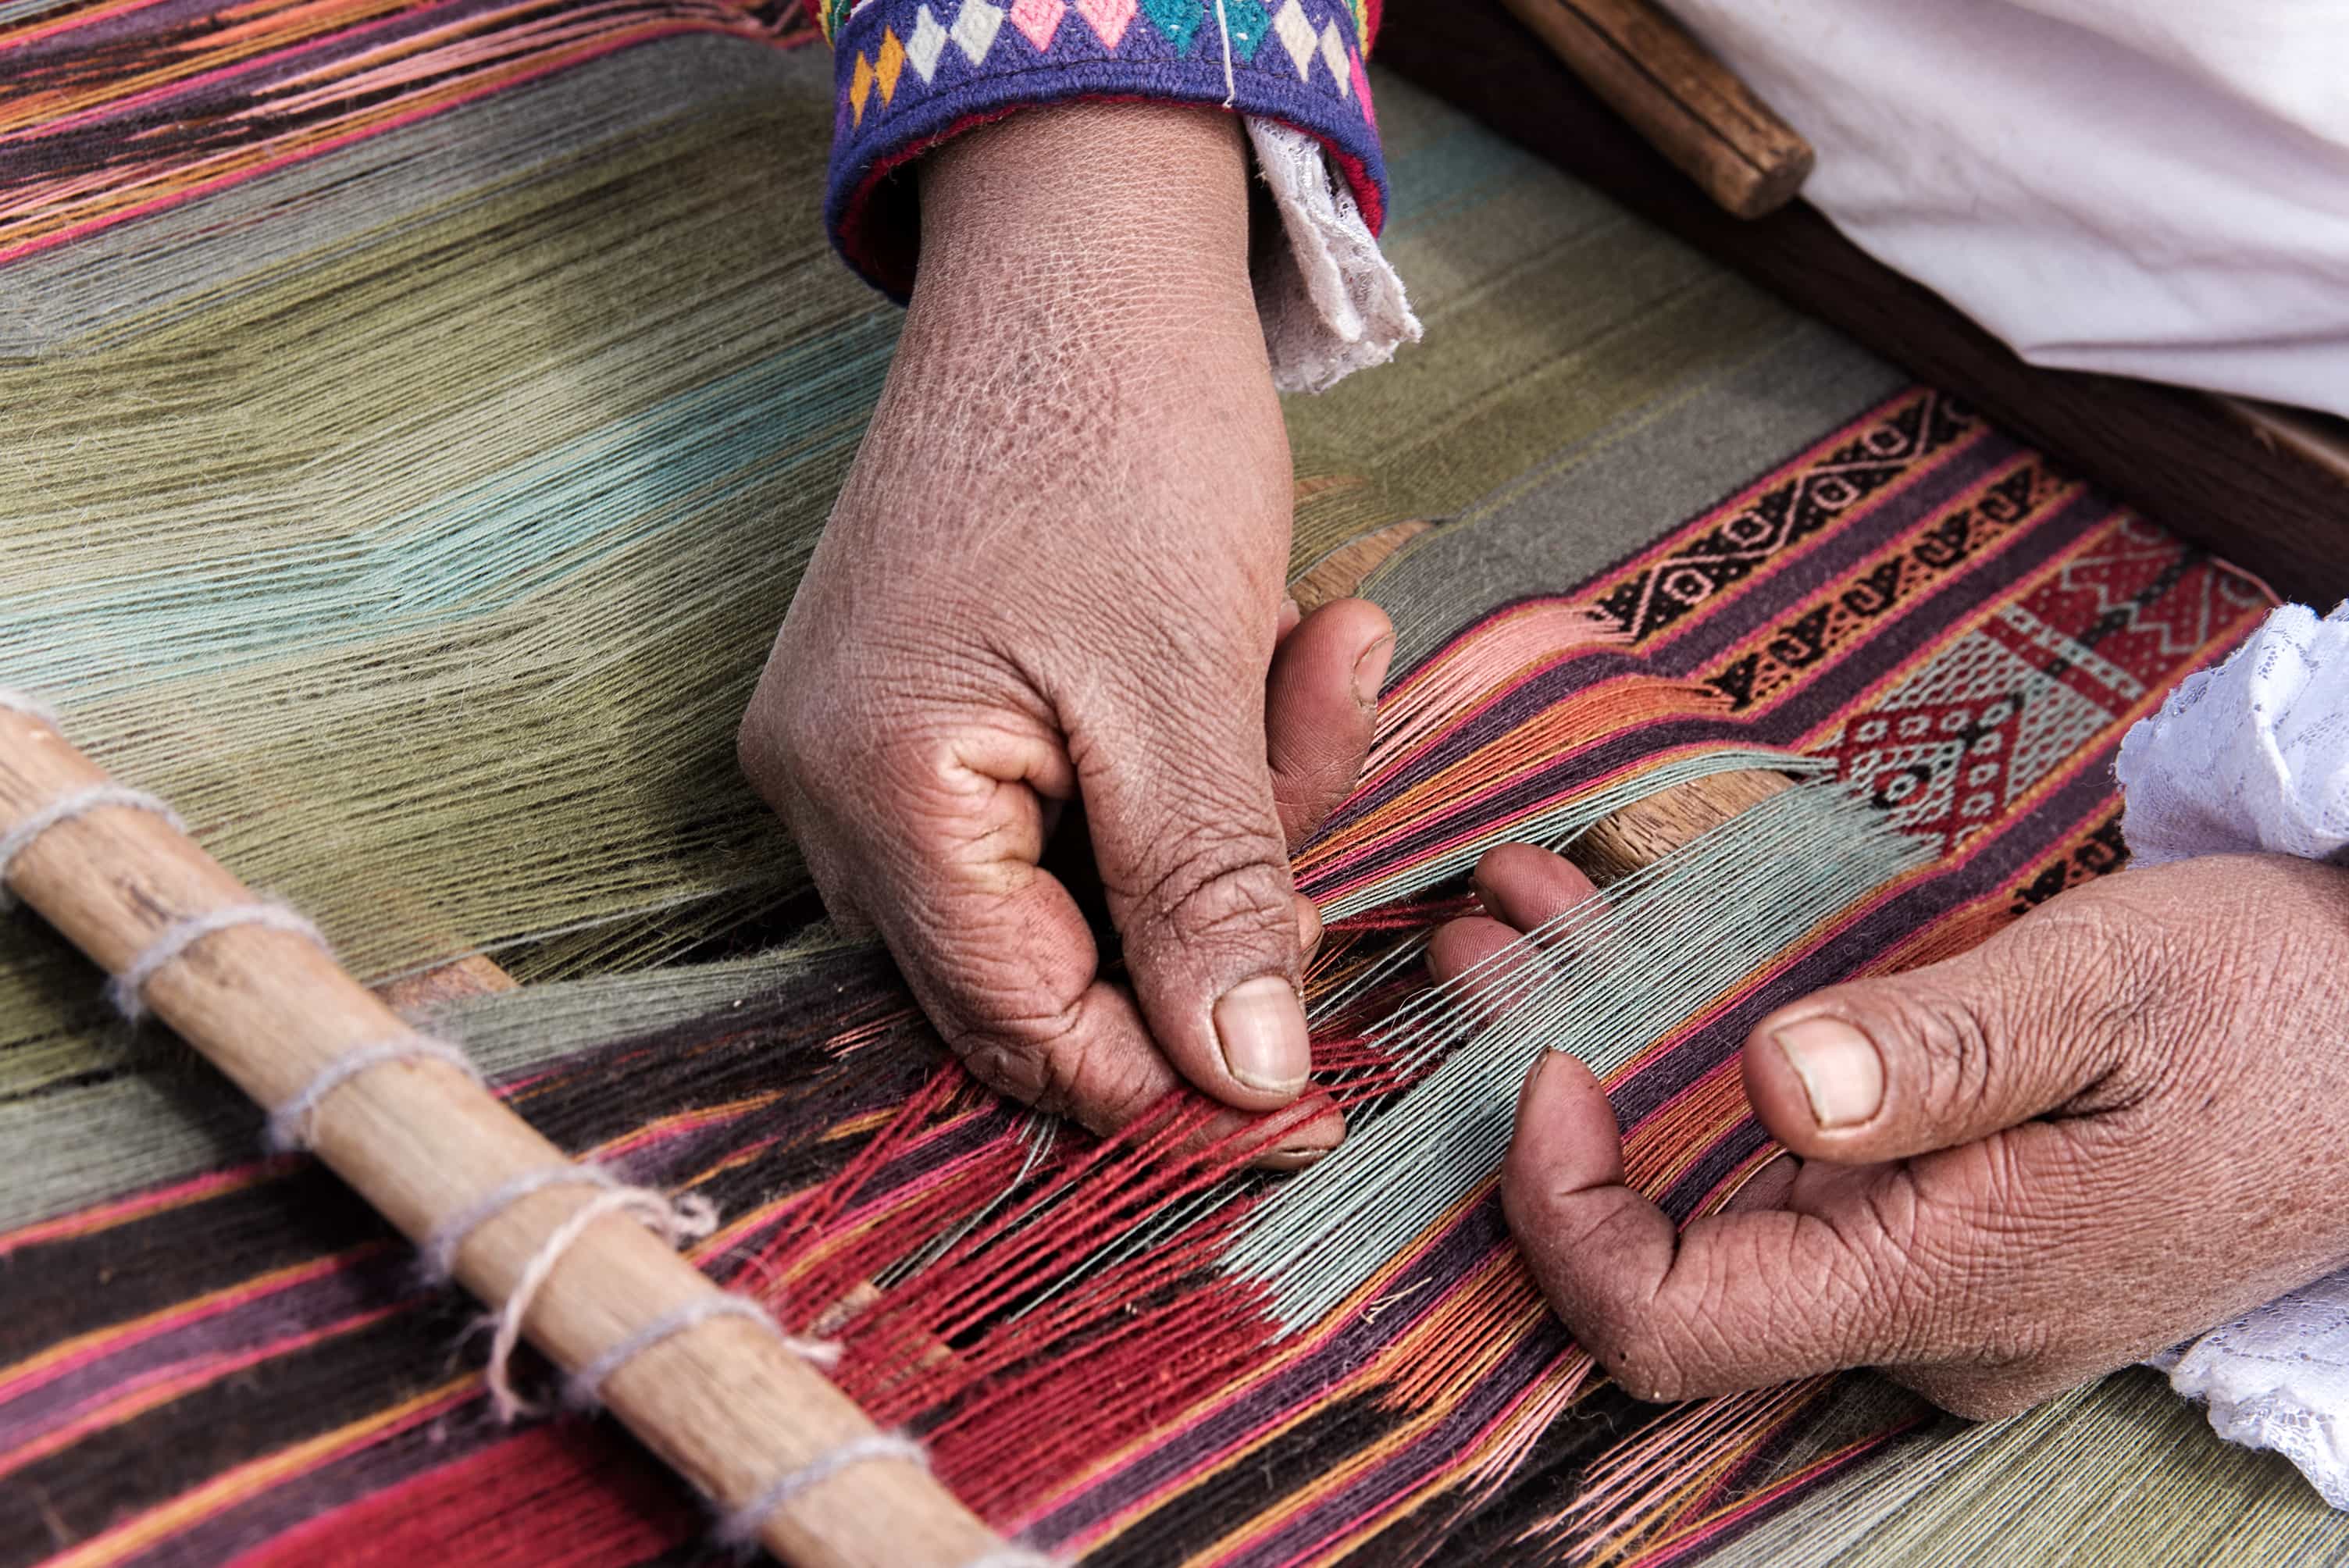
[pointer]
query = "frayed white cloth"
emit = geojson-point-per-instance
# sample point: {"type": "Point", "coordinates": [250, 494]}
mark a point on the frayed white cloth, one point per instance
{"type": "Point", "coordinates": [2253, 757]}
{"type": "Point", "coordinates": [1329, 302]}
{"type": "Point", "coordinates": [2278, 1378]}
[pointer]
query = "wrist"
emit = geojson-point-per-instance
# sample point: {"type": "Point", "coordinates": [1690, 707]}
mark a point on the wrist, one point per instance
{"type": "Point", "coordinates": [1139, 209]}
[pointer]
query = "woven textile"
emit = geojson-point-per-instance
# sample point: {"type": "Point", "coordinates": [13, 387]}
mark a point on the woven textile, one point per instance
{"type": "Point", "coordinates": [492, 439]}
{"type": "Point", "coordinates": [1963, 629]}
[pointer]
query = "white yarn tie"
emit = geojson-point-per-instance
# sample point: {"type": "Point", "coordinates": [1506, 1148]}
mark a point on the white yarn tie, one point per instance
{"type": "Point", "coordinates": [584, 1388]}
{"type": "Point", "coordinates": [127, 990]}
{"type": "Point", "coordinates": [439, 1248]}
{"type": "Point", "coordinates": [289, 1124]}
{"type": "Point", "coordinates": [674, 1220]}
{"type": "Point", "coordinates": [31, 707]}
{"type": "Point", "coordinates": [1231, 83]}
{"type": "Point", "coordinates": [1015, 1557]}
{"type": "Point", "coordinates": [740, 1526]}
{"type": "Point", "coordinates": [64, 809]}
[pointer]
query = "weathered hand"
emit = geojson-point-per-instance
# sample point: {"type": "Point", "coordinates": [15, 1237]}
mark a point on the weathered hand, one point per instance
{"type": "Point", "coordinates": [2121, 1121]}
{"type": "Point", "coordinates": [1054, 576]}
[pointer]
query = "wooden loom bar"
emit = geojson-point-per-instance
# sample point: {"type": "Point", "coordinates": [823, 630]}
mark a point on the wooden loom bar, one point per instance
{"type": "Point", "coordinates": [725, 1403]}
{"type": "Point", "coordinates": [1692, 108]}
{"type": "Point", "coordinates": [1646, 830]}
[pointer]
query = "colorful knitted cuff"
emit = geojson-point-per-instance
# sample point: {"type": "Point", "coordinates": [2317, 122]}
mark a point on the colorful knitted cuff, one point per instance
{"type": "Point", "coordinates": [912, 73]}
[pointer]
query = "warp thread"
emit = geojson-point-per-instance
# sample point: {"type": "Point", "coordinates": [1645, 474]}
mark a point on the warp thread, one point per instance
{"type": "Point", "coordinates": [31, 707]}
{"type": "Point", "coordinates": [584, 1389]}
{"type": "Point", "coordinates": [289, 1124]}
{"type": "Point", "coordinates": [127, 990]}
{"type": "Point", "coordinates": [64, 809]}
{"type": "Point", "coordinates": [740, 1528]}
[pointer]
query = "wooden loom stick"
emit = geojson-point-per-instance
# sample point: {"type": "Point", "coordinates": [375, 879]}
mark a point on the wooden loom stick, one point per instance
{"type": "Point", "coordinates": [725, 1402]}
{"type": "Point", "coordinates": [1689, 106]}
{"type": "Point", "coordinates": [1647, 830]}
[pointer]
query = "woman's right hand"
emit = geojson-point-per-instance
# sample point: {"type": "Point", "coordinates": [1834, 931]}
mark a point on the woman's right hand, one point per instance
{"type": "Point", "coordinates": [1055, 576]}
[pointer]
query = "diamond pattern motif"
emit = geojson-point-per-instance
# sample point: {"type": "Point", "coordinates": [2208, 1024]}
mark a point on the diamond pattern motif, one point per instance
{"type": "Point", "coordinates": [1333, 55]}
{"type": "Point", "coordinates": [1295, 32]}
{"type": "Point", "coordinates": [1243, 24]}
{"type": "Point", "coordinates": [925, 44]}
{"type": "Point", "coordinates": [1175, 37]}
{"type": "Point", "coordinates": [1178, 19]}
{"type": "Point", "coordinates": [1246, 22]}
{"type": "Point", "coordinates": [1940, 770]}
{"type": "Point", "coordinates": [1108, 18]}
{"type": "Point", "coordinates": [1039, 19]}
{"type": "Point", "coordinates": [860, 88]}
{"type": "Point", "coordinates": [975, 27]}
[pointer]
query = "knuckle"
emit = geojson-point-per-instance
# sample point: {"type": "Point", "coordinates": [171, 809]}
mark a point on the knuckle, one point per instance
{"type": "Point", "coordinates": [1959, 1049]}
{"type": "Point", "coordinates": [1223, 885]}
{"type": "Point", "coordinates": [2112, 964]}
{"type": "Point", "coordinates": [1008, 1069]}
{"type": "Point", "coordinates": [1989, 1401]}
{"type": "Point", "coordinates": [1038, 1060]}
{"type": "Point", "coordinates": [1642, 1361]}
{"type": "Point", "coordinates": [1035, 1071]}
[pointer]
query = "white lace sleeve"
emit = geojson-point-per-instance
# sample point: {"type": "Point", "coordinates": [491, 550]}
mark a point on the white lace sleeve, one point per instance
{"type": "Point", "coordinates": [2254, 756]}
{"type": "Point", "coordinates": [1329, 302]}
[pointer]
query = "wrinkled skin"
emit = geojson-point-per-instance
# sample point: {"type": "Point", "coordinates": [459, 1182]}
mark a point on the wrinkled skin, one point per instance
{"type": "Point", "coordinates": [1054, 579]}
{"type": "Point", "coordinates": [2121, 1121]}
{"type": "Point", "coordinates": [1055, 576]}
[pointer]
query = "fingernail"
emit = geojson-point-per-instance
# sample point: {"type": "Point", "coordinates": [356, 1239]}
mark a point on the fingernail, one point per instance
{"type": "Point", "coordinates": [1288, 614]}
{"type": "Point", "coordinates": [1260, 1025]}
{"type": "Point", "coordinates": [1370, 670]}
{"type": "Point", "coordinates": [1839, 1068]}
{"type": "Point", "coordinates": [1293, 1158]}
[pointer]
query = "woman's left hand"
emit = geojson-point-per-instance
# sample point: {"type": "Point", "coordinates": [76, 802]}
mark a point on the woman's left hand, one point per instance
{"type": "Point", "coordinates": [2121, 1121]}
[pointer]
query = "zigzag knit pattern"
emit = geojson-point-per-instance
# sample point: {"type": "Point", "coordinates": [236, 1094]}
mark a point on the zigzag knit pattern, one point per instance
{"type": "Point", "coordinates": [912, 73]}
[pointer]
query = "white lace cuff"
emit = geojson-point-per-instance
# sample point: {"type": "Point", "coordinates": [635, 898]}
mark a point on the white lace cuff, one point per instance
{"type": "Point", "coordinates": [1329, 302]}
{"type": "Point", "coordinates": [2254, 757]}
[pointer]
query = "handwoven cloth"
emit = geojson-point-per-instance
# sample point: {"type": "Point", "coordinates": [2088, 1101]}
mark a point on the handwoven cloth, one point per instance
{"type": "Point", "coordinates": [1883, 597]}
{"type": "Point", "coordinates": [514, 471]}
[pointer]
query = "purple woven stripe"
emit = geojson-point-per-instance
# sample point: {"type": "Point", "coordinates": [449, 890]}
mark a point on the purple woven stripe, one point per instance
{"type": "Point", "coordinates": [939, 89]}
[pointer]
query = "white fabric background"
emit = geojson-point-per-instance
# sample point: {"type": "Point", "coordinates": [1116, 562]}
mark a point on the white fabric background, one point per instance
{"type": "Point", "coordinates": [2159, 188]}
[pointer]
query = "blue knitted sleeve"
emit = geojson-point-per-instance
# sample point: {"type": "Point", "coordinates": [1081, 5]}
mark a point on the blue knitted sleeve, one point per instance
{"type": "Point", "coordinates": [912, 73]}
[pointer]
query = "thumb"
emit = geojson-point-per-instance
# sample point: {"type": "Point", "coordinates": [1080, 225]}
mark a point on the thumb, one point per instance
{"type": "Point", "coordinates": [1942, 1056]}
{"type": "Point", "coordinates": [1193, 859]}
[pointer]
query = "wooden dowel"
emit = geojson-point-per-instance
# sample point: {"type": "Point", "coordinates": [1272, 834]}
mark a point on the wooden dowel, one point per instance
{"type": "Point", "coordinates": [1689, 107]}
{"type": "Point", "coordinates": [725, 1402]}
{"type": "Point", "coordinates": [1644, 831]}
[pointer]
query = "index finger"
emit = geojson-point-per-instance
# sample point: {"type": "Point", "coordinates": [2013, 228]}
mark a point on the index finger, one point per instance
{"type": "Point", "coordinates": [998, 951]}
